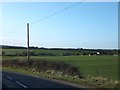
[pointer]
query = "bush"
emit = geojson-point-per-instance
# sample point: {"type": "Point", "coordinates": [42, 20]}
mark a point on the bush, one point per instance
{"type": "Point", "coordinates": [45, 65]}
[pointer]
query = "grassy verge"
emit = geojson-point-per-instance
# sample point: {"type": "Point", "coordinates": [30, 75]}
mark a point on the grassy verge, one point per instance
{"type": "Point", "coordinates": [60, 71]}
{"type": "Point", "coordinates": [105, 66]}
{"type": "Point", "coordinates": [88, 82]}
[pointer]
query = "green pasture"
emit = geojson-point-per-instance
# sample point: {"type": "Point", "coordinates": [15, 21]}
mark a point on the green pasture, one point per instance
{"type": "Point", "coordinates": [54, 52]}
{"type": "Point", "coordinates": [12, 51]}
{"type": "Point", "coordinates": [105, 66]}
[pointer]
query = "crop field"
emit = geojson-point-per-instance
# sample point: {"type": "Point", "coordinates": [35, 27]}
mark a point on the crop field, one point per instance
{"type": "Point", "coordinates": [101, 65]}
{"type": "Point", "coordinates": [105, 66]}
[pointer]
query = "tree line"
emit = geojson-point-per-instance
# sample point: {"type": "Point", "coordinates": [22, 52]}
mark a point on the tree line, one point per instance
{"type": "Point", "coordinates": [68, 51]}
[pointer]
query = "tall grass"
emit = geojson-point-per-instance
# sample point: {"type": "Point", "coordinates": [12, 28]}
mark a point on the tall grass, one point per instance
{"type": "Point", "coordinates": [44, 66]}
{"type": "Point", "coordinates": [59, 70]}
{"type": "Point", "coordinates": [106, 66]}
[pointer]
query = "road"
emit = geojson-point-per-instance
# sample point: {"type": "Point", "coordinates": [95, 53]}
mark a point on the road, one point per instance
{"type": "Point", "coordinates": [17, 80]}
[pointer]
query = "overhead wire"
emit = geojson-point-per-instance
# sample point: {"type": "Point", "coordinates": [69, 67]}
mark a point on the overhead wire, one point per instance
{"type": "Point", "coordinates": [46, 17]}
{"type": "Point", "coordinates": [58, 12]}
{"type": "Point", "coordinates": [15, 30]}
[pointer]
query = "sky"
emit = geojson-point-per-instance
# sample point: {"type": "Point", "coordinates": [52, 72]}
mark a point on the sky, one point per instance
{"type": "Point", "coordinates": [85, 25]}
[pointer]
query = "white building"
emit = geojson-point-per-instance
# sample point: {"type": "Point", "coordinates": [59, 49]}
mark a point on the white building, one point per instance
{"type": "Point", "coordinates": [98, 53]}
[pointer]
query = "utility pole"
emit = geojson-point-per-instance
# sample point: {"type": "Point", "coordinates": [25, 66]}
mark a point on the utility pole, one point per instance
{"type": "Point", "coordinates": [28, 56]}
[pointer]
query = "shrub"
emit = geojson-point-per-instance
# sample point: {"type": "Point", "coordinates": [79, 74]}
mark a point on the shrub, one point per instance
{"type": "Point", "coordinates": [45, 65]}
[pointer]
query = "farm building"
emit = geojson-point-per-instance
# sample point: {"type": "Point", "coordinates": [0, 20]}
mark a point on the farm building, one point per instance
{"type": "Point", "coordinates": [98, 53]}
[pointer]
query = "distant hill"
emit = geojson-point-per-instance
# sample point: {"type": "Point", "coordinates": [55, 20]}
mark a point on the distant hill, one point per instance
{"type": "Point", "coordinates": [11, 47]}
{"type": "Point", "coordinates": [58, 51]}
{"type": "Point", "coordinates": [42, 48]}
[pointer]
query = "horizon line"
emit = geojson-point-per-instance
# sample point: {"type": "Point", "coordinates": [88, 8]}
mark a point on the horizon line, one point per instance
{"type": "Point", "coordinates": [60, 47]}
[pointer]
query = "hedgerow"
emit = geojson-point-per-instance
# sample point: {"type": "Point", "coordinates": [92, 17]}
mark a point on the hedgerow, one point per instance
{"type": "Point", "coordinates": [44, 65]}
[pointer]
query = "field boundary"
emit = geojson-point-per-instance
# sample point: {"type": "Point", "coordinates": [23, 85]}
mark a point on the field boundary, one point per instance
{"type": "Point", "coordinates": [98, 82]}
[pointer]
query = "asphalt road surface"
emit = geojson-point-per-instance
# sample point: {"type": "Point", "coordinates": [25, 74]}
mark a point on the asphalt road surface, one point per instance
{"type": "Point", "coordinates": [17, 80]}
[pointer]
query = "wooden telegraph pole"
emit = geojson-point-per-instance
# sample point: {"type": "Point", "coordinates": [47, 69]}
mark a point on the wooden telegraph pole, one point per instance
{"type": "Point", "coordinates": [28, 56]}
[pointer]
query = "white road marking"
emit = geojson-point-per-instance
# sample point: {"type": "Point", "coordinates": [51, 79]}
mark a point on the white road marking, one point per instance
{"type": "Point", "coordinates": [21, 84]}
{"type": "Point", "coordinates": [10, 78]}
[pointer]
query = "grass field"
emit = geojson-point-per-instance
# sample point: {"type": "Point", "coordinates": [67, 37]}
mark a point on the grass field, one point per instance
{"type": "Point", "coordinates": [53, 52]}
{"type": "Point", "coordinates": [106, 66]}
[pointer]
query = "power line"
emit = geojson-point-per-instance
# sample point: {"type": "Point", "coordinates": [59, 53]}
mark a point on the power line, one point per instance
{"type": "Point", "coordinates": [15, 30]}
{"type": "Point", "coordinates": [58, 12]}
{"type": "Point", "coordinates": [46, 17]}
